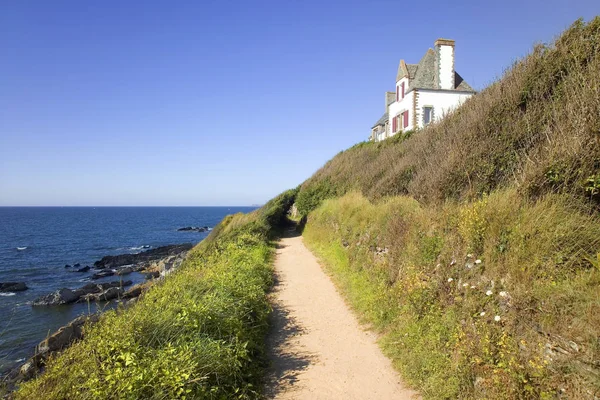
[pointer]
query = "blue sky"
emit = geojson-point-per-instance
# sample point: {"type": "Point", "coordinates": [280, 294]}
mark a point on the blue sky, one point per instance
{"type": "Point", "coordinates": [220, 103]}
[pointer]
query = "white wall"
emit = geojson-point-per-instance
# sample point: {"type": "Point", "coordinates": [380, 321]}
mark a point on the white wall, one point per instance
{"type": "Point", "coordinates": [397, 107]}
{"type": "Point", "coordinates": [442, 103]}
{"type": "Point", "coordinates": [446, 67]}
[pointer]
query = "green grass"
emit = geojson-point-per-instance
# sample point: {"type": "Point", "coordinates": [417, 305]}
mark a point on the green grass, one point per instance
{"type": "Point", "coordinates": [511, 178]}
{"type": "Point", "coordinates": [405, 268]}
{"type": "Point", "coordinates": [536, 128]}
{"type": "Point", "coordinates": [199, 334]}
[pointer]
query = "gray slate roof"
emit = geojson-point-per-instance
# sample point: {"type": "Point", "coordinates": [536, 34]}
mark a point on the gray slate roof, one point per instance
{"type": "Point", "coordinates": [423, 74]}
{"type": "Point", "coordinates": [381, 121]}
{"type": "Point", "coordinates": [390, 97]}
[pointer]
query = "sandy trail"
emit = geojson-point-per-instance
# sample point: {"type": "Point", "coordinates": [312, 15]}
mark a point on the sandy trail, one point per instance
{"type": "Point", "coordinates": [316, 347]}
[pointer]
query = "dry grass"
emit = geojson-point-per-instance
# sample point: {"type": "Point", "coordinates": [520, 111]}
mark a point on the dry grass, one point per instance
{"type": "Point", "coordinates": [537, 129]}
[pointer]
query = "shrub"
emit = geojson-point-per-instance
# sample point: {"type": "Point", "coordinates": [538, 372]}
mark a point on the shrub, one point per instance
{"type": "Point", "coordinates": [198, 334]}
{"type": "Point", "coordinates": [413, 273]}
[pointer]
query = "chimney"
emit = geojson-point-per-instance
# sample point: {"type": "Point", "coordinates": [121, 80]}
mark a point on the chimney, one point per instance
{"type": "Point", "coordinates": [444, 51]}
{"type": "Point", "coordinates": [390, 97]}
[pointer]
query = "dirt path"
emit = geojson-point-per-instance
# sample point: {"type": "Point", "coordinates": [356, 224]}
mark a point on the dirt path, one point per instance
{"type": "Point", "coordinates": [317, 348]}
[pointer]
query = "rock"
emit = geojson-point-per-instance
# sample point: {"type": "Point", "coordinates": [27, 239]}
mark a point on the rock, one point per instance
{"type": "Point", "coordinates": [83, 269]}
{"type": "Point", "coordinates": [136, 290]}
{"type": "Point", "coordinates": [65, 335]}
{"type": "Point", "coordinates": [110, 294]}
{"type": "Point", "coordinates": [12, 286]}
{"type": "Point", "coordinates": [152, 274]}
{"type": "Point", "coordinates": [96, 288]}
{"type": "Point", "coordinates": [67, 266]}
{"type": "Point", "coordinates": [143, 257]}
{"type": "Point", "coordinates": [194, 229]}
{"type": "Point", "coordinates": [28, 370]}
{"type": "Point", "coordinates": [59, 297]}
{"type": "Point", "coordinates": [76, 265]}
{"type": "Point", "coordinates": [107, 295]}
{"type": "Point", "coordinates": [125, 271]}
{"type": "Point", "coordinates": [103, 274]}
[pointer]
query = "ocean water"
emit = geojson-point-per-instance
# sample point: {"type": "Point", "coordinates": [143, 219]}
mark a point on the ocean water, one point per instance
{"type": "Point", "coordinates": [37, 242]}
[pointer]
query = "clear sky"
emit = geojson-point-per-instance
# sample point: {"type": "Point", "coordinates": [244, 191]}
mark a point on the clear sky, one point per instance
{"type": "Point", "coordinates": [221, 102]}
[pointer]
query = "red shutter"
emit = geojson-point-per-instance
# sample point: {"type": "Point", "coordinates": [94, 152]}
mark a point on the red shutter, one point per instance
{"type": "Point", "coordinates": [405, 119]}
{"type": "Point", "coordinates": [397, 90]}
{"type": "Point", "coordinates": [394, 124]}
{"type": "Point", "coordinates": [402, 89]}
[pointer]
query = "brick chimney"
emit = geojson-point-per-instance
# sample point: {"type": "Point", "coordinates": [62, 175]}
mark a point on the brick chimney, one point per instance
{"type": "Point", "coordinates": [444, 52]}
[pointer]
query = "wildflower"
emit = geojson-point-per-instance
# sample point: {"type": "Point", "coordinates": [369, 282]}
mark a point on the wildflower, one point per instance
{"type": "Point", "coordinates": [489, 293]}
{"type": "Point", "coordinates": [469, 255]}
{"type": "Point", "coordinates": [472, 287]}
{"type": "Point", "coordinates": [497, 318]}
{"type": "Point", "coordinates": [478, 261]}
{"type": "Point", "coordinates": [450, 280]}
{"type": "Point", "coordinates": [481, 314]}
{"type": "Point", "coordinates": [503, 294]}
{"type": "Point", "coordinates": [465, 284]}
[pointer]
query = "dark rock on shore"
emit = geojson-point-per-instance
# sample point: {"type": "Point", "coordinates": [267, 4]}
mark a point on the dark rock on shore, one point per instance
{"type": "Point", "coordinates": [103, 274]}
{"type": "Point", "coordinates": [12, 286]}
{"type": "Point", "coordinates": [59, 297]}
{"type": "Point", "coordinates": [136, 290]}
{"type": "Point", "coordinates": [58, 341]}
{"type": "Point", "coordinates": [89, 292]}
{"type": "Point", "coordinates": [145, 256]}
{"type": "Point", "coordinates": [76, 265]}
{"type": "Point", "coordinates": [152, 274]}
{"type": "Point", "coordinates": [84, 269]}
{"type": "Point", "coordinates": [108, 294]}
{"type": "Point", "coordinates": [68, 266]}
{"type": "Point", "coordinates": [126, 270]}
{"type": "Point", "coordinates": [194, 229]}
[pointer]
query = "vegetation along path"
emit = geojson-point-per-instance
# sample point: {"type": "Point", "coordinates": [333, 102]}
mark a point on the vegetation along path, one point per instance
{"type": "Point", "coordinates": [317, 348]}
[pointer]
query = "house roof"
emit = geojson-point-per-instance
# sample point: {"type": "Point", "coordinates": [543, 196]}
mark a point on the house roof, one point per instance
{"type": "Point", "coordinates": [384, 118]}
{"type": "Point", "coordinates": [423, 74]}
{"type": "Point", "coordinates": [390, 97]}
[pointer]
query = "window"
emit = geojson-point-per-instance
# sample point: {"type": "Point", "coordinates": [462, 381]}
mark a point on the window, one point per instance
{"type": "Point", "coordinates": [402, 87]}
{"type": "Point", "coordinates": [397, 93]}
{"type": "Point", "coordinates": [405, 117]}
{"type": "Point", "coordinates": [427, 115]}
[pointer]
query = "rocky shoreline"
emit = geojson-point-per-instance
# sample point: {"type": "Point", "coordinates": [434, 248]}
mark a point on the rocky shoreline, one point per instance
{"type": "Point", "coordinates": [154, 264]}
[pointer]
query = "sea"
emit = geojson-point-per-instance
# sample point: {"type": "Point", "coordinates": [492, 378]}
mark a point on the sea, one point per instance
{"type": "Point", "coordinates": [37, 242]}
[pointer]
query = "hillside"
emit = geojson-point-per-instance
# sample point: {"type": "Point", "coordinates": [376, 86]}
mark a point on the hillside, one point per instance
{"type": "Point", "coordinates": [473, 246]}
{"type": "Point", "coordinates": [537, 128]}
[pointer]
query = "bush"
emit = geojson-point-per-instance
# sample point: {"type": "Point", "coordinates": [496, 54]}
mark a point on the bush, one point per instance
{"type": "Point", "coordinates": [199, 334]}
{"type": "Point", "coordinates": [412, 272]}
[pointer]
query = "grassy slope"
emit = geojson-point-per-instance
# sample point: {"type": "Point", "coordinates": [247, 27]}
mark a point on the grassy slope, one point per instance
{"type": "Point", "coordinates": [197, 335]}
{"type": "Point", "coordinates": [537, 129]}
{"type": "Point", "coordinates": [512, 179]}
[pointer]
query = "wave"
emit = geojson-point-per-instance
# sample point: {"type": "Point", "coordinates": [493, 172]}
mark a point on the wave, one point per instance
{"type": "Point", "coordinates": [6, 294]}
{"type": "Point", "coordinates": [146, 246]}
{"type": "Point", "coordinates": [22, 248]}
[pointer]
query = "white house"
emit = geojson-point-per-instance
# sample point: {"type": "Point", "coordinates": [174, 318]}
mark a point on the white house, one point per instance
{"type": "Point", "coordinates": [425, 92]}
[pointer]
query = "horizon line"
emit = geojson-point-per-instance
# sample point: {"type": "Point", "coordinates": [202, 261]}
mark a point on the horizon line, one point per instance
{"type": "Point", "coordinates": [131, 206]}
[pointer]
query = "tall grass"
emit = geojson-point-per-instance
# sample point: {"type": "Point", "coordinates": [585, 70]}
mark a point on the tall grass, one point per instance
{"type": "Point", "coordinates": [199, 334]}
{"type": "Point", "coordinates": [495, 298]}
{"type": "Point", "coordinates": [537, 128]}
{"type": "Point", "coordinates": [473, 245]}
